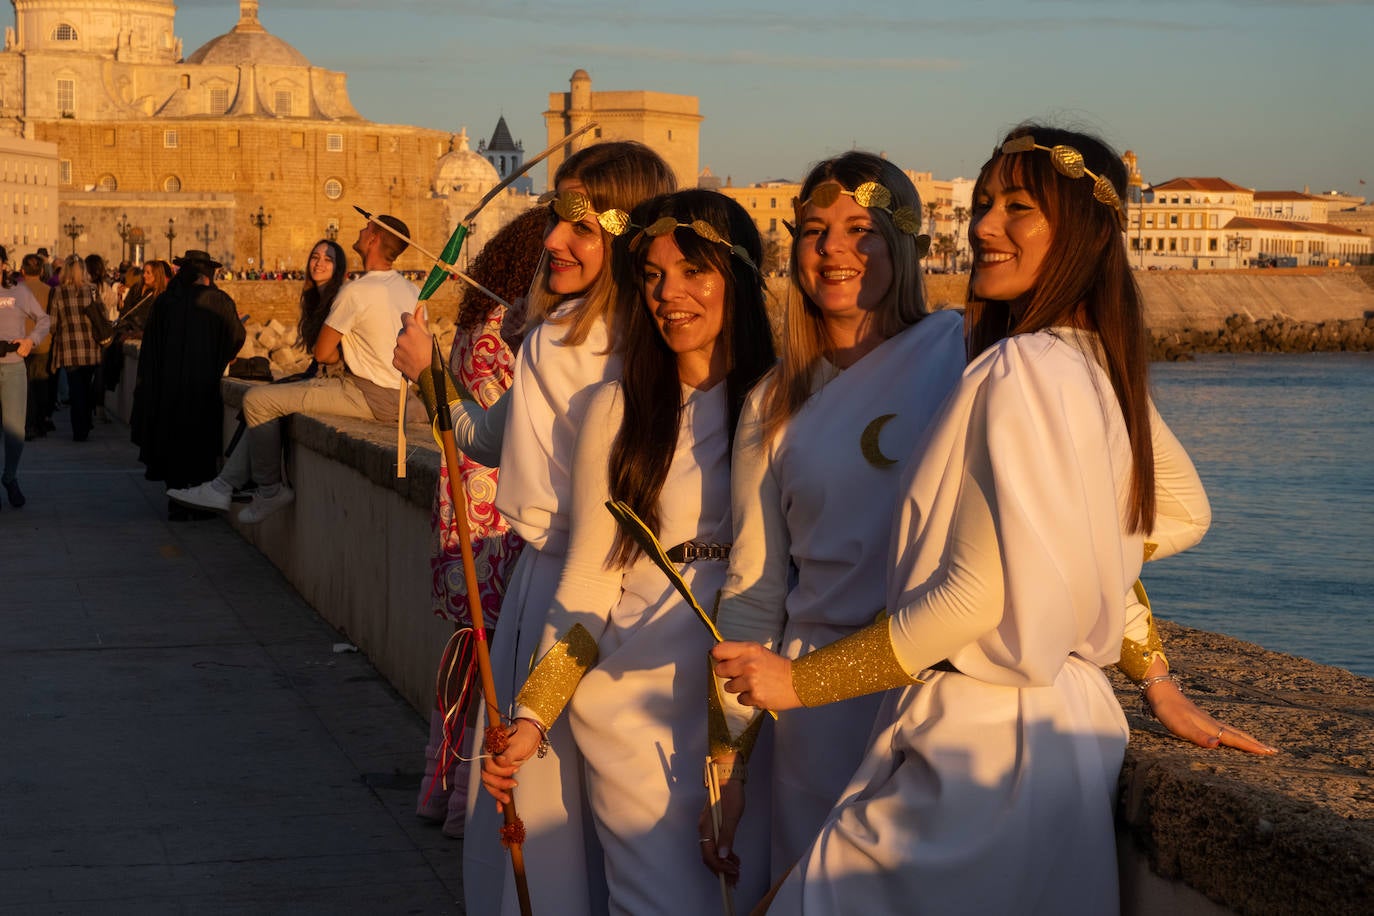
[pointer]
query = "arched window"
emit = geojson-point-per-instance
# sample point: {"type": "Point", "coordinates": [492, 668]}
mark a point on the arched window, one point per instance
{"type": "Point", "coordinates": [171, 183]}
{"type": "Point", "coordinates": [64, 32]}
{"type": "Point", "coordinates": [333, 188]}
{"type": "Point", "coordinates": [108, 183]}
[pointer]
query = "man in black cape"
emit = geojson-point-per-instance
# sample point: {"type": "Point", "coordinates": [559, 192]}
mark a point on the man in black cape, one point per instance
{"type": "Point", "coordinates": [192, 334]}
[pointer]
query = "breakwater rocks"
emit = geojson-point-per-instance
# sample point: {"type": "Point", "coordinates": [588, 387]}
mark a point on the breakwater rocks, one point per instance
{"type": "Point", "coordinates": [1243, 334]}
{"type": "Point", "coordinates": [280, 344]}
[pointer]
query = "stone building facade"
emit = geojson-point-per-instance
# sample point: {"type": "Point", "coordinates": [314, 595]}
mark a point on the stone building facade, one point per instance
{"type": "Point", "coordinates": [668, 124]}
{"type": "Point", "coordinates": [160, 153]}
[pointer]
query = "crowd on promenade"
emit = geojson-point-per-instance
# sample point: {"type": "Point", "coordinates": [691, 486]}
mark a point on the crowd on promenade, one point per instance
{"type": "Point", "coordinates": [839, 645]}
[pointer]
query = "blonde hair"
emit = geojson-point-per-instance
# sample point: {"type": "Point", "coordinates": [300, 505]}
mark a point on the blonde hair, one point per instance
{"type": "Point", "coordinates": [805, 341]}
{"type": "Point", "coordinates": [617, 175]}
{"type": "Point", "coordinates": [73, 271]}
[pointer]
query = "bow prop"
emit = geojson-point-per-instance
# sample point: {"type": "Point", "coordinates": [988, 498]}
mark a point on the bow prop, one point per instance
{"type": "Point", "coordinates": [634, 526]}
{"type": "Point", "coordinates": [444, 264]}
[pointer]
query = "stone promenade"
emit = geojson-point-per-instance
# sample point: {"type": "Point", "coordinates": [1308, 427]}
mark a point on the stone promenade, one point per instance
{"type": "Point", "coordinates": [179, 732]}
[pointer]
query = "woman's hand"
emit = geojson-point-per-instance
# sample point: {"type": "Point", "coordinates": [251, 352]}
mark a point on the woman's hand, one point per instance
{"type": "Point", "coordinates": [414, 347]}
{"type": "Point", "coordinates": [1182, 717]}
{"type": "Point", "coordinates": [498, 771]}
{"type": "Point", "coordinates": [763, 679]}
{"type": "Point", "coordinates": [716, 851]}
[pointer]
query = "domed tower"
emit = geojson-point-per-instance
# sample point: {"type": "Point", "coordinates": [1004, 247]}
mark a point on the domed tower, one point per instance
{"type": "Point", "coordinates": [130, 31]}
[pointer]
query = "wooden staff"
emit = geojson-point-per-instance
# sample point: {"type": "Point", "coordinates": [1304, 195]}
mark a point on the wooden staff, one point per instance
{"type": "Point", "coordinates": [513, 833]}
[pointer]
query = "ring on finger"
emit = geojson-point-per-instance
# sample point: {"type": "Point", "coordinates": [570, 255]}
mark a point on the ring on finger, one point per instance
{"type": "Point", "coordinates": [1220, 732]}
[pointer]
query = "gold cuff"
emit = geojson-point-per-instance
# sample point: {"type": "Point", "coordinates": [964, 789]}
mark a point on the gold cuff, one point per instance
{"type": "Point", "coordinates": [718, 738]}
{"type": "Point", "coordinates": [551, 684]}
{"type": "Point", "coordinates": [1149, 550]}
{"type": "Point", "coordinates": [1136, 658]}
{"type": "Point", "coordinates": [860, 664]}
{"type": "Point", "coordinates": [431, 398]}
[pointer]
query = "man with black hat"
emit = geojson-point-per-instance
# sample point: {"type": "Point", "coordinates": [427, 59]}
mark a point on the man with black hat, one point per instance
{"type": "Point", "coordinates": [193, 332]}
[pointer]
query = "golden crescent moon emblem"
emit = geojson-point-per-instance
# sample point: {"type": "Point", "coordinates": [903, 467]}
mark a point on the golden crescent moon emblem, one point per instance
{"type": "Point", "coordinates": [869, 445]}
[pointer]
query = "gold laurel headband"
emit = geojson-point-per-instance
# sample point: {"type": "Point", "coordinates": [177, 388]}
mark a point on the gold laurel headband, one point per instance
{"type": "Point", "coordinates": [1068, 162]}
{"type": "Point", "coordinates": [871, 195]}
{"type": "Point", "coordinates": [574, 206]}
{"type": "Point", "coordinates": [666, 224]}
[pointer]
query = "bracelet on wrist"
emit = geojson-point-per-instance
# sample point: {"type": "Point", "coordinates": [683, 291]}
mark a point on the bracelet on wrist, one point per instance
{"type": "Point", "coordinates": [543, 750]}
{"type": "Point", "coordinates": [1149, 682]}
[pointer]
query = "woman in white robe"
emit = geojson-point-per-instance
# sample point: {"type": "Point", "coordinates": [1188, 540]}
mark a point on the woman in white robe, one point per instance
{"type": "Point", "coordinates": [696, 341]}
{"type": "Point", "coordinates": [820, 452]}
{"type": "Point", "coordinates": [989, 784]}
{"type": "Point", "coordinates": [530, 434]}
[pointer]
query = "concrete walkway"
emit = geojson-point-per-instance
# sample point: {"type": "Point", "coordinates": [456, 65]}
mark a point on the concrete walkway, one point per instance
{"type": "Point", "coordinates": [177, 732]}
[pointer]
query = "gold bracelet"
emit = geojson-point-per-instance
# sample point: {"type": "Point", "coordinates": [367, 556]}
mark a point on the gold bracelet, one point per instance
{"type": "Point", "coordinates": [551, 684]}
{"type": "Point", "coordinates": [861, 663]}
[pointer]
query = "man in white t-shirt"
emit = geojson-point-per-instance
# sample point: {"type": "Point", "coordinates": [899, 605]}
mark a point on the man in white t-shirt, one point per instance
{"type": "Point", "coordinates": [361, 333]}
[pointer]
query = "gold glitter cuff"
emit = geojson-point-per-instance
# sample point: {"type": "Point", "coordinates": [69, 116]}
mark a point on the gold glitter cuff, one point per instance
{"type": "Point", "coordinates": [551, 684]}
{"type": "Point", "coordinates": [718, 738]}
{"type": "Point", "coordinates": [860, 664]}
{"type": "Point", "coordinates": [1136, 658]}
{"type": "Point", "coordinates": [1150, 549]}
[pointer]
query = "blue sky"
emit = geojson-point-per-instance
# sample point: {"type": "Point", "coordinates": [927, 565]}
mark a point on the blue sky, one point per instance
{"type": "Point", "coordinates": [1272, 94]}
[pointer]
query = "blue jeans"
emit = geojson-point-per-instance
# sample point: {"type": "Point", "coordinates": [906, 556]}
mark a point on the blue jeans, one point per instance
{"type": "Point", "coordinates": [14, 405]}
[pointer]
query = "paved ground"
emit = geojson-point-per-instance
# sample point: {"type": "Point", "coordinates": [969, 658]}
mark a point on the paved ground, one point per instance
{"type": "Point", "coordinates": [177, 732]}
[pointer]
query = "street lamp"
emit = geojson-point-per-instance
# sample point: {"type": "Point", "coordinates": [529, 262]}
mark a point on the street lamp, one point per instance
{"type": "Point", "coordinates": [331, 231]}
{"type": "Point", "coordinates": [73, 229]}
{"type": "Point", "coordinates": [1237, 243]}
{"type": "Point", "coordinates": [122, 227]}
{"type": "Point", "coordinates": [171, 233]}
{"type": "Point", "coordinates": [262, 221]}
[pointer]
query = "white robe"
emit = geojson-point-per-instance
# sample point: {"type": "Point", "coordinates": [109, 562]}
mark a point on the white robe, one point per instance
{"type": "Point", "coordinates": [550, 394]}
{"type": "Point", "coordinates": [991, 790]}
{"type": "Point", "coordinates": [638, 715]}
{"type": "Point", "coordinates": [811, 501]}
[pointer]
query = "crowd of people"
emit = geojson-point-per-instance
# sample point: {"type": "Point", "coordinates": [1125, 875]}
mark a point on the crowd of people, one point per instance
{"type": "Point", "coordinates": [916, 536]}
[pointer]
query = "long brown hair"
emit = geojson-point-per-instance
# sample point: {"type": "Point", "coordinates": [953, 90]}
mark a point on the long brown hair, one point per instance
{"type": "Point", "coordinates": [318, 298]}
{"type": "Point", "coordinates": [1085, 280]}
{"type": "Point", "coordinates": [643, 449]}
{"type": "Point", "coordinates": [804, 340]}
{"type": "Point", "coordinates": [617, 175]}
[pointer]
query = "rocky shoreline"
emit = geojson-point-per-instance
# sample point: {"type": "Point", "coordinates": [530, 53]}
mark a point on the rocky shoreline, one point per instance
{"type": "Point", "coordinates": [1242, 334]}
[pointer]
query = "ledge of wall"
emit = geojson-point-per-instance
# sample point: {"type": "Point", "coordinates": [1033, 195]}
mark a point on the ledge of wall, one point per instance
{"type": "Point", "coordinates": [1201, 831]}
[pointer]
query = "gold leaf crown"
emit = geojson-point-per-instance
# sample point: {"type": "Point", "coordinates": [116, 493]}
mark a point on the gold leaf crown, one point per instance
{"type": "Point", "coordinates": [574, 206]}
{"type": "Point", "coordinates": [666, 224]}
{"type": "Point", "coordinates": [1068, 162]}
{"type": "Point", "coordinates": [871, 195]}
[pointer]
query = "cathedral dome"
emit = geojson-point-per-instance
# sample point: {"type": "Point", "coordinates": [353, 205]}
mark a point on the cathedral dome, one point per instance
{"type": "Point", "coordinates": [461, 171]}
{"type": "Point", "coordinates": [248, 42]}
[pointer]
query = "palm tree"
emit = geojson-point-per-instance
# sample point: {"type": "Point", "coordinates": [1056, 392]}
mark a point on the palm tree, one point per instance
{"type": "Point", "coordinates": [944, 247]}
{"type": "Point", "coordinates": [932, 211]}
{"type": "Point", "coordinates": [960, 217]}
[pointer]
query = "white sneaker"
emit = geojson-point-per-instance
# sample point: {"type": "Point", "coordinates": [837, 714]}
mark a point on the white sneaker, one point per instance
{"type": "Point", "coordinates": [202, 496]}
{"type": "Point", "coordinates": [263, 506]}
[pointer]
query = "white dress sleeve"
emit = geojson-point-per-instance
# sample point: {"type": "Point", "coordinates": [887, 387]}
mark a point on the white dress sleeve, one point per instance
{"type": "Point", "coordinates": [478, 431]}
{"type": "Point", "coordinates": [752, 604]}
{"type": "Point", "coordinates": [587, 591]}
{"type": "Point", "coordinates": [1182, 512]}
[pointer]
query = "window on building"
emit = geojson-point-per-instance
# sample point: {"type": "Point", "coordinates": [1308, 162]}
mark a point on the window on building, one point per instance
{"type": "Point", "coordinates": [1173, 220]}
{"type": "Point", "coordinates": [219, 100]}
{"type": "Point", "coordinates": [185, 81]}
{"type": "Point", "coordinates": [1173, 243]}
{"type": "Point", "coordinates": [1135, 244]}
{"type": "Point", "coordinates": [670, 135]}
{"type": "Point", "coordinates": [171, 183]}
{"type": "Point", "coordinates": [1212, 244]}
{"type": "Point", "coordinates": [64, 32]}
{"type": "Point", "coordinates": [284, 103]}
{"type": "Point", "coordinates": [66, 98]}
{"type": "Point", "coordinates": [1150, 220]}
{"type": "Point", "coordinates": [107, 183]}
{"type": "Point", "coordinates": [773, 203]}
{"type": "Point", "coordinates": [232, 138]}
{"type": "Point", "coordinates": [169, 139]}
{"type": "Point", "coordinates": [108, 137]}
{"type": "Point", "coordinates": [297, 139]}
{"type": "Point", "coordinates": [64, 171]}
{"type": "Point", "coordinates": [333, 143]}
{"type": "Point", "coordinates": [773, 224]}
{"type": "Point", "coordinates": [370, 143]}
{"type": "Point", "coordinates": [333, 188]}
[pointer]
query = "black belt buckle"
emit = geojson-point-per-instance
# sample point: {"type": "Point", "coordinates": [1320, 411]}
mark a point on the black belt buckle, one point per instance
{"type": "Point", "coordinates": [690, 551]}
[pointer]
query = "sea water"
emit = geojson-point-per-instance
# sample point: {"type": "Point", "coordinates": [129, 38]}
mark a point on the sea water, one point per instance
{"type": "Point", "coordinates": [1285, 447]}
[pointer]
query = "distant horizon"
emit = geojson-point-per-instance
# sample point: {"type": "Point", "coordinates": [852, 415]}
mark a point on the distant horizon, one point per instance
{"type": "Point", "coordinates": [1271, 95]}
